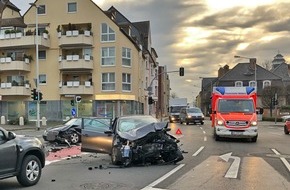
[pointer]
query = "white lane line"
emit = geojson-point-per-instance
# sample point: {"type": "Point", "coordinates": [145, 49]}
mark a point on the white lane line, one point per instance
{"type": "Point", "coordinates": [198, 151]}
{"type": "Point", "coordinates": [156, 182]}
{"type": "Point", "coordinates": [282, 159]}
{"type": "Point", "coordinates": [204, 139]}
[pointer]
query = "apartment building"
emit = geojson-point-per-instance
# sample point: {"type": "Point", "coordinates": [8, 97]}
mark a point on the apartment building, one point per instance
{"type": "Point", "coordinates": [82, 51]}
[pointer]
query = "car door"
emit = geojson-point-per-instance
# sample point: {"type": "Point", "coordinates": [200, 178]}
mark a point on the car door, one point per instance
{"type": "Point", "coordinates": [94, 138]}
{"type": "Point", "coordinates": [7, 148]}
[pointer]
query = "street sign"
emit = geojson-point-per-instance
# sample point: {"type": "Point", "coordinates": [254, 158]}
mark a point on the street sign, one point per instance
{"type": "Point", "coordinates": [73, 112]}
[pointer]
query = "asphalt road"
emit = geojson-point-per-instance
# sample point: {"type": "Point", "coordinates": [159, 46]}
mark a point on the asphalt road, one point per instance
{"type": "Point", "coordinates": [208, 164]}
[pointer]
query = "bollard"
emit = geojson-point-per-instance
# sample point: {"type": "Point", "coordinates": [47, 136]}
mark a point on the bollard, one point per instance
{"type": "Point", "coordinates": [21, 121]}
{"type": "Point", "coordinates": [43, 120]}
{"type": "Point", "coordinates": [3, 120]}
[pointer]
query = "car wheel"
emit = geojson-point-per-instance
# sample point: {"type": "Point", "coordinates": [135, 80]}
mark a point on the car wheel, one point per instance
{"type": "Point", "coordinates": [187, 123]}
{"type": "Point", "coordinates": [74, 138]}
{"type": "Point", "coordinates": [116, 155]}
{"type": "Point", "coordinates": [30, 171]}
{"type": "Point", "coordinates": [216, 137]}
{"type": "Point", "coordinates": [202, 123]}
{"type": "Point", "coordinates": [286, 130]}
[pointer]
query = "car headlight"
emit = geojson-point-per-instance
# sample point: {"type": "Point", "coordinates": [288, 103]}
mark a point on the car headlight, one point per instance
{"type": "Point", "coordinates": [189, 116]}
{"type": "Point", "coordinates": [254, 123]}
{"type": "Point", "coordinates": [220, 122]}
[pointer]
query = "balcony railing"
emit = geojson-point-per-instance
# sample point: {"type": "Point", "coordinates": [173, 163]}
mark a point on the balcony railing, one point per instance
{"type": "Point", "coordinates": [71, 38]}
{"type": "Point", "coordinates": [75, 62]}
{"type": "Point", "coordinates": [9, 89]}
{"type": "Point", "coordinates": [8, 41]}
{"type": "Point", "coordinates": [7, 64]}
{"type": "Point", "coordinates": [76, 87]}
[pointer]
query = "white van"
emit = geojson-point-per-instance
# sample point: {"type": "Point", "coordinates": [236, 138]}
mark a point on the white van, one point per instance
{"type": "Point", "coordinates": [191, 115]}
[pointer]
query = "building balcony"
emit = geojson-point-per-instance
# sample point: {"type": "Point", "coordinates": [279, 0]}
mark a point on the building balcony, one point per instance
{"type": "Point", "coordinates": [74, 38]}
{"type": "Point", "coordinates": [7, 89]}
{"type": "Point", "coordinates": [75, 62]}
{"type": "Point", "coordinates": [23, 41]}
{"type": "Point", "coordinates": [7, 64]}
{"type": "Point", "coordinates": [74, 87]}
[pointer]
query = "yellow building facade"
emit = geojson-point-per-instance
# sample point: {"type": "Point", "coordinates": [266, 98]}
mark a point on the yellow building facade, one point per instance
{"type": "Point", "coordinates": [82, 51]}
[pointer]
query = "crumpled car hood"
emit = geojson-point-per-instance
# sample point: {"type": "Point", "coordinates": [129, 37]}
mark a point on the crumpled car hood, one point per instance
{"type": "Point", "coordinates": [140, 132]}
{"type": "Point", "coordinates": [59, 128]}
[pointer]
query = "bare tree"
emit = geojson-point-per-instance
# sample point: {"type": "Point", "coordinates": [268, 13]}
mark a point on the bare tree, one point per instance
{"type": "Point", "coordinates": [267, 64]}
{"type": "Point", "coordinates": [268, 93]}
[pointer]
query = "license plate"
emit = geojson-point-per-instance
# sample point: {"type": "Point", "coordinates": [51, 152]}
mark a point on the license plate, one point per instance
{"type": "Point", "coordinates": [237, 133]}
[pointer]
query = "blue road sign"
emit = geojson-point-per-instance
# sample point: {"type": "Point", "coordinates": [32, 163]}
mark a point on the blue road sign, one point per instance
{"type": "Point", "coordinates": [73, 112]}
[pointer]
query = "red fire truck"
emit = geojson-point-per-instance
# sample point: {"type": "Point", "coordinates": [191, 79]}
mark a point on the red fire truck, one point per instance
{"type": "Point", "coordinates": [234, 112]}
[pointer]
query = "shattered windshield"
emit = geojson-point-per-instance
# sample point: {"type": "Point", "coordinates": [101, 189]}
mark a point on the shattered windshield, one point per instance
{"type": "Point", "coordinates": [130, 123]}
{"type": "Point", "coordinates": [236, 105]}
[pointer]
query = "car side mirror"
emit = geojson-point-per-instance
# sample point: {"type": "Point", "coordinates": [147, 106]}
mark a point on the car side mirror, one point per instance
{"type": "Point", "coordinates": [11, 135]}
{"type": "Point", "coordinates": [168, 129]}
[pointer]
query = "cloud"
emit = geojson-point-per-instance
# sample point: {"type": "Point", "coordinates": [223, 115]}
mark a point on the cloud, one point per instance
{"type": "Point", "coordinates": [187, 33]}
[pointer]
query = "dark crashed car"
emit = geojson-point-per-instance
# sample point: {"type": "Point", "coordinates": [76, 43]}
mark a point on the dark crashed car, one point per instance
{"type": "Point", "coordinates": [20, 156]}
{"type": "Point", "coordinates": [70, 132]}
{"type": "Point", "coordinates": [139, 139]}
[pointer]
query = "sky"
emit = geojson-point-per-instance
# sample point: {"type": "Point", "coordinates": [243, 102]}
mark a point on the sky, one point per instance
{"type": "Point", "coordinates": [204, 35]}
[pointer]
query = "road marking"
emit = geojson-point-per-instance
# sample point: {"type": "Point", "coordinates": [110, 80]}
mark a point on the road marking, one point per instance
{"type": "Point", "coordinates": [204, 139]}
{"type": "Point", "coordinates": [282, 159]}
{"type": "Point", "coordinates": [156, 182]}
{"type": "Point", "coordinates": [234, 168]}
{"type": "Point", "coordinates": [198, 151]}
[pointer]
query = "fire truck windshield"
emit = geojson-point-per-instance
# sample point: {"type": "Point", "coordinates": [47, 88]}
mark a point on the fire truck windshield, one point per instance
{"type": "Point", "coordinates": [235, 105]}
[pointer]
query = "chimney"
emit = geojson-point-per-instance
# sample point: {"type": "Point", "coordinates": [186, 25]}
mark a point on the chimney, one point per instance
{"type": "Point", "coordinates": [253, 63]}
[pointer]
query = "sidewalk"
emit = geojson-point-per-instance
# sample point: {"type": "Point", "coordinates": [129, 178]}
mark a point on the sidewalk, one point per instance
{"type": "Point", "coordinates": [29, 127]}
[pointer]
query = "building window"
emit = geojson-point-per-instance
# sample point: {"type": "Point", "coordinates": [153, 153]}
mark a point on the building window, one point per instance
{"type": "Point", "coordinates": [108, 34]}
{"type": "Point", "coordinates": [126, 56]}
{"type": "Point", "coordinates": [126, 82]}
{"type": "Point", "coordinates": [42, 54]}
{"type": "Point", "coordinates": [42, 79]}
{"type": "Point", "coordinates": [108, 56]}
{"type": "Point", "coordinates": [266, 83]}
{"type": "Point", "coordinates": [238, 84]}
{"type": "Point", "coordinates": [72, 7]}
{"type": "Point", "coordinates": [41, 10]}
{"type": "Point", "coordinates": [108, 81]}
{"type": "Point", "coordinates": [252, 83]}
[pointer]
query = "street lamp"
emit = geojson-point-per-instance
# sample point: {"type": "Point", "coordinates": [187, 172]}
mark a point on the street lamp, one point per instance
{"type": "Point", "coordinates": [254, 62]}
{"type": "Point", "coordinates": [37, 67]}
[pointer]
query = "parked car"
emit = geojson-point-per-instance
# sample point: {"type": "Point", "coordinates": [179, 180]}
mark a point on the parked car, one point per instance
{"type": "Point", "coordinates": [287, 126]}
{"type": "Point", "coordinates": [191, 115]}
{"type": "Point", "coordinates": [137, 139]}
{"type": "Point", "coordinates": [70, 131]}
{"type": "Point", "coordinates": [285, 117]}
{"type": "Point", "coordinates": [20, 156]}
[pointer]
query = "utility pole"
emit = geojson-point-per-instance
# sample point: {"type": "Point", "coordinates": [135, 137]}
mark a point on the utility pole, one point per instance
{"type": "Point", "coordinates": [37, 66]}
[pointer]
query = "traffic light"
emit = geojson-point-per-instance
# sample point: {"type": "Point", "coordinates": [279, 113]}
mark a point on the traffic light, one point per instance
{"type": "Point", "coordinates": [150, 100]}
{"type": "Point", "coordinates": [40, 96]}
{"type": "Point", "coordinates": [181, 71]}
{"type": "Point", "coordinates": [72, 102]}
{"type": "Point", "coordinates": [33, 94]}
{"type": "Point", "coordinates": [78, 99]}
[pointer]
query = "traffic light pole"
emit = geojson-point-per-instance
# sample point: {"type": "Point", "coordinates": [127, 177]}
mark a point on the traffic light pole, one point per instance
{"type": "Point", "coordinates": [149, 88]}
